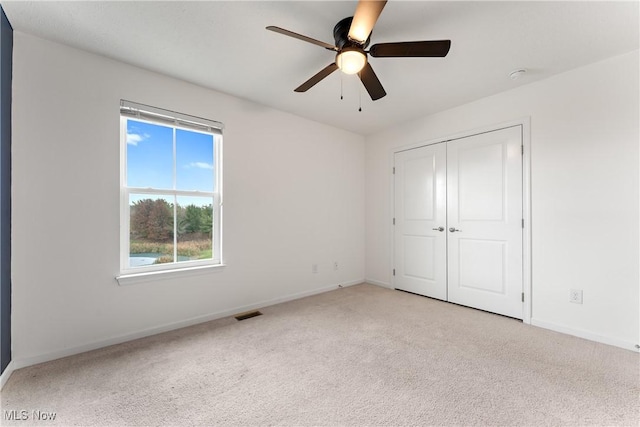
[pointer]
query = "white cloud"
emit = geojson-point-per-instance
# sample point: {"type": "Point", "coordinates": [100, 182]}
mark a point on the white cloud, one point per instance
{"type": "Point", "coordinates": [135, 138]}
{"type": "Point", "coordinates": [200, 165]}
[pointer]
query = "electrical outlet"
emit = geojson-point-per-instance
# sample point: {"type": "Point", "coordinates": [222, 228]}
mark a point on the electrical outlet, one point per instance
{"type": "Point", "coordinates": [314, 268]}
{"type": "Point", "coordinates": [575, 296]}
{"type": "Point", "coordinates": [335, 265]}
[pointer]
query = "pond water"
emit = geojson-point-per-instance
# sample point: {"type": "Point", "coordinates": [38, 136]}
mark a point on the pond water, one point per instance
{"type": "Point", "coordinates": [139, 260]}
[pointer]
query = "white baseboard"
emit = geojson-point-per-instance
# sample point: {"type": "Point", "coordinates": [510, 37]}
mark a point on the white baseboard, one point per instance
{"type": "Point", "coordinates": [580, 333]}
{"type": "Point", "coordinates": [34, 360]}
{"type": "Point", "coordinates": [6, 374]}
{"type": "Point", "coordinates": [379, 283]}
{"type": "Point", "coordinates": [352, 283]}
{"type": "Point", "coordinates": [22, 363]}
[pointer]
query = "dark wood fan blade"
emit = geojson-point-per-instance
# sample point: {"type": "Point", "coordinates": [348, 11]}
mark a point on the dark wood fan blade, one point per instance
{"type": "Point", "coordinates": [367, 13]}
{"type": "Point", "coordinates": [301, 37]}
{"type": "Point", "coordinates": [371, 82]}
{"type": "Point", "coordinates": [315, 79]}
{"type": "Point", "coordinates": [433, 48]}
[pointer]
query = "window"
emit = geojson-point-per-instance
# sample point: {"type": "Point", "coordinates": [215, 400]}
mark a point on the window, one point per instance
{"type": "Point", "coordinates": [170, 190]}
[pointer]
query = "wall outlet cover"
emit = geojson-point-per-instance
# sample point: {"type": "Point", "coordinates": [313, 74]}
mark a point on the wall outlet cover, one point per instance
{"type": "Point", "coordinates": [575, 296]}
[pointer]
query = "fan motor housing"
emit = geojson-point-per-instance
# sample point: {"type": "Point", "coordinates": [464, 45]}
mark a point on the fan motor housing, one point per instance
{"type": "Point", "coordinates": [341, 35]}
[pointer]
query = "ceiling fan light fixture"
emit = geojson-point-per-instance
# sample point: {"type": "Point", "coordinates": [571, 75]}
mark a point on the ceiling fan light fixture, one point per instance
{"type": "Point", "coordinates": [358, 34]}
{"type": "Point", "coordinates": [351, 60]}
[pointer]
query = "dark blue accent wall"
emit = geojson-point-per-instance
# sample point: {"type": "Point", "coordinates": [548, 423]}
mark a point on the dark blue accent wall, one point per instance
{"type": "Point", "coordinates": [6, 54]}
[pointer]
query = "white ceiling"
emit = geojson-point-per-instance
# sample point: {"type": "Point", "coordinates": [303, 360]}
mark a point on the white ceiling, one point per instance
{"type": "Point", "coordinates": [223, 45]}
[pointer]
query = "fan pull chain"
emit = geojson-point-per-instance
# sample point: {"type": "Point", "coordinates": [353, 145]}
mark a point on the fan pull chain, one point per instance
{"type": "Point", "coordinates": [360, 100]}
{"type": "Point", "coordinates": [341, 97]}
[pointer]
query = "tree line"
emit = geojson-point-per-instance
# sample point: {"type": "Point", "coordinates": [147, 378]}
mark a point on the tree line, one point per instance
{"type": "Point", "coordinates": [153, 220]}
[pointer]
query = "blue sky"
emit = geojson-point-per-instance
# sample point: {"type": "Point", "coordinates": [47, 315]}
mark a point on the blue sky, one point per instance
{"type": "Point", "coordinates": [150, 158]}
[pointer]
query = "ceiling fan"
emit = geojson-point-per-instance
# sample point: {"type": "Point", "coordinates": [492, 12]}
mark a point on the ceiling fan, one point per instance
{"type": "Point", "coordinates": [352, 36]}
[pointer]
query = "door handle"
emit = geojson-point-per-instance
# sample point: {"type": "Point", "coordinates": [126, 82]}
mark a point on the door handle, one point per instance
{"type": "Point", "coordinates": [453, 230]}
{"type": "Point", "coordinates": [438, 229]}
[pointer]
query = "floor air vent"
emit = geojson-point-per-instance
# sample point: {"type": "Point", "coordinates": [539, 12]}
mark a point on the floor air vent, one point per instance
{"type": "Point", "coordinates": [248, 315]}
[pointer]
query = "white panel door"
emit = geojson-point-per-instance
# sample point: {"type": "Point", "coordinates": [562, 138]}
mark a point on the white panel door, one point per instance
{"type": "Point", "coordinates": [420, 221]}
{"type": "Point", "coordinates": [484, 221]}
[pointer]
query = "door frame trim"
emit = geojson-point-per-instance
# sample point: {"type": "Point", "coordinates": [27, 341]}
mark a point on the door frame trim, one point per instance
{"type": "Point", "coordinates": [525, 123]}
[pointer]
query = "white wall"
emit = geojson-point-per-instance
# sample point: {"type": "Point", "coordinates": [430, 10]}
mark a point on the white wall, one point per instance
{"type": "Point", "coordinates": [294, 196]}
{"type": "Point", "coordinates": [584, 186]}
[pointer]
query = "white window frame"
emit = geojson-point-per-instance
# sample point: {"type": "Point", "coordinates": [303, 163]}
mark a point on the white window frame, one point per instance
{"type": "Point", "coordinates": [144, 113]}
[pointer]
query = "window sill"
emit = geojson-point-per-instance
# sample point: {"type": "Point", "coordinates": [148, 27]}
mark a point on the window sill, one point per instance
{"type": "Point", "coordinates": [149, 276]}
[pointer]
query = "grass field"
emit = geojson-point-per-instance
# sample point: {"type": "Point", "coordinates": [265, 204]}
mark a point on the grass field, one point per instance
{"type": "Point", "coordinates": [194, 249]}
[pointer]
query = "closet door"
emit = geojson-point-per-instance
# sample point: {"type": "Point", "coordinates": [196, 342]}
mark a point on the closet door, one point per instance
{"type": "Point", "coordinates": [484, 221]}
{"type": "Point", "coordinates": [420, 221]}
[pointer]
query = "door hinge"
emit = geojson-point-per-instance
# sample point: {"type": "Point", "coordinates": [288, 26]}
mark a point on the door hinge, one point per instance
{"type": "Point", "coordinates": [522, 222]}
{"type": "Point", "coordinates": [394, 221]}
{"type": "Point", "coordinates": [522, 150]}
{"type": "Point", "coordinates": [394, 170]}
{"type": "Point", "coordinates": [394, 271]}
{"type": "Point", "coordinates": [523, 297]}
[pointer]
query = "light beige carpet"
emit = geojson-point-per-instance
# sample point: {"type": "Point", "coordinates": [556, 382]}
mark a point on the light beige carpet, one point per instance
{"type": "Point", "coordinates": [362, 355]}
